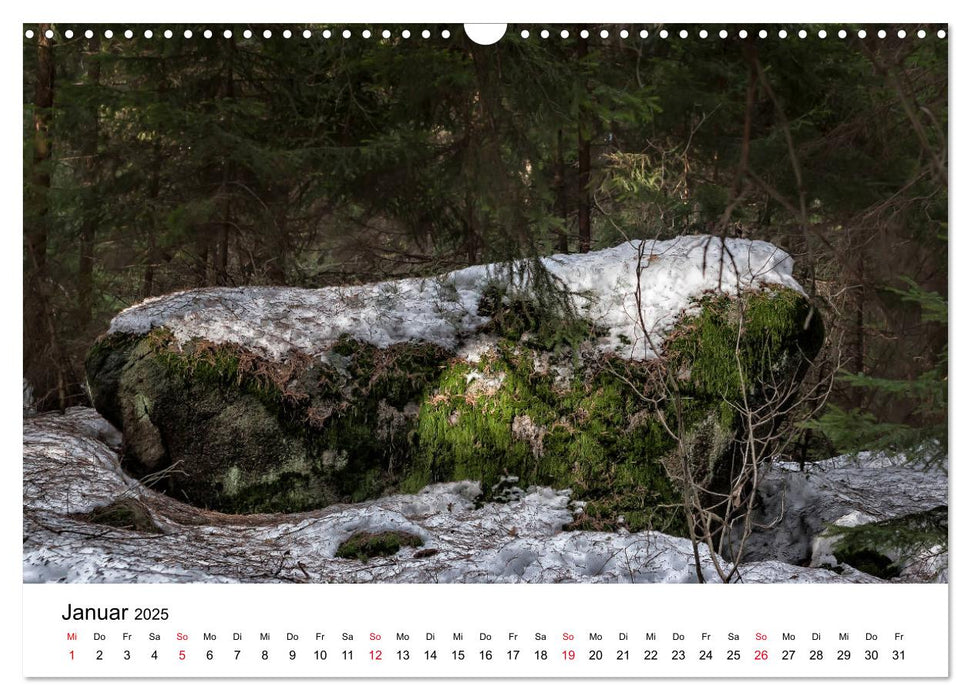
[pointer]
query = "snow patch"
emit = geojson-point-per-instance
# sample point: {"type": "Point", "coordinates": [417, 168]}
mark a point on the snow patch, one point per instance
{"type": "Point", "coordinates": [802, 500]}
{"type": "Point", "coordinates": [275, 321]}
{"type": "Point", "coordinates": [69, 470]}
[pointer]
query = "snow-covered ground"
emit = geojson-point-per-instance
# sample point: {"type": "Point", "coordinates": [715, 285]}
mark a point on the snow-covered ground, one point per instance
{"type": "Point", "coordinates": [847, 490]}
{"type": "Point", "coordinates": [71, 467]}
{"type": "Point", "coordinates": [275, 321]}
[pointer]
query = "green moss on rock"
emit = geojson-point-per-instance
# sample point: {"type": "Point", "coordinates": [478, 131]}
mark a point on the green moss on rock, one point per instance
{"type": "Point", "coordinates": [755, 341]}
{"type": "Point", "coordinates": [366, 545]}
{"type": "Point", "coordinates": [501, 417]}
{"type": "Point", "coordinates": [223, 428]}
{"type": "Point", "coordinates": [124, 514]}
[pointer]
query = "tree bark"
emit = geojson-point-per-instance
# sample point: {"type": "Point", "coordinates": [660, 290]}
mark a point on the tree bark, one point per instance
{"type": "Point", "coordinates": [152, 257]}
{"type": "Point", "coordinates": [89, 196]}
{"type": "Point", "coordinates": [277, 267]}
{"type": "Point", "coordinates": [583, 148]}
{"type": "Point", "coordinates": [226, 226]}
{"type": "Point", "coordinates": [559, 188]}
{"type": "Point", "coordinates": [40, 178]}
{"type": "Point", "coordinates": [859, 328]}
{"type": "Point", "coordinates": [43, 361]}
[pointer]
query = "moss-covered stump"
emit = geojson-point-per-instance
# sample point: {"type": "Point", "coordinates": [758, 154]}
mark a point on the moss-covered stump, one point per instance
{"type": "Point", "coordinates": [225, 428]}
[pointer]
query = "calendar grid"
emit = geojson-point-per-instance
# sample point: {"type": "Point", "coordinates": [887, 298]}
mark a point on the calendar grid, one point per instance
{"type": "Point", "coordinates": [543, 631]}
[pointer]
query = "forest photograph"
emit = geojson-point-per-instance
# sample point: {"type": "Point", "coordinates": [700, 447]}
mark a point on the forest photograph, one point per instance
{"type": "Point", "coordinates": [377, 303]}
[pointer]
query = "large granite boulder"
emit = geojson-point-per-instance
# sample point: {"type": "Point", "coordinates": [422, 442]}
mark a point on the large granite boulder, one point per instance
{"type": "Point", "coordinates": [281, 399]}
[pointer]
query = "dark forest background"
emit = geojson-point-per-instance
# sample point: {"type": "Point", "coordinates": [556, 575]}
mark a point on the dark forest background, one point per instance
{"type": "Point", "coordinates": [157, 164]}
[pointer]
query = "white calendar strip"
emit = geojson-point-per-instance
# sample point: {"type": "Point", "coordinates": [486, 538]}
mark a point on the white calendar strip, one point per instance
{"type": "Point", "coordinates": [485, 631]}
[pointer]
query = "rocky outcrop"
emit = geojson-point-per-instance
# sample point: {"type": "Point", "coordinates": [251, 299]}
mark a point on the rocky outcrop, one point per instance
{"type": "Point", "coordinates": [269, 399]}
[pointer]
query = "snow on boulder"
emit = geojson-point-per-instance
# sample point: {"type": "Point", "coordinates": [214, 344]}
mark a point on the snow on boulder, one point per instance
{"type": "Point", "coordinates": [277, 321]}
{"type": "Point", "coordinates": [281, 400]}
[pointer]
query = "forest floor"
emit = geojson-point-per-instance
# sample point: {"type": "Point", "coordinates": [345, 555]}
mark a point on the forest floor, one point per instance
{"type": "Point", "coordinates": [86, 521]}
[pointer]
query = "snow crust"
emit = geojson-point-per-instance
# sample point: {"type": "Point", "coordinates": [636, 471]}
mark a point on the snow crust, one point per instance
{"type": "Point", "coordinates": [71, 467]}
{"type": "Point", "coordinates": [852, 489]}
{"type": "Point", "coordinates": [275, 321]}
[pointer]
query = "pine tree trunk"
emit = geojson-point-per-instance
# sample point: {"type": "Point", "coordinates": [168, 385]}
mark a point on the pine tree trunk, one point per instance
{"type": "Point", "coordinates": [471, 233]}
{"type": "Point", "coordinates": [40, 178]}
{"type": "Point", "coordinates": [152, 256]}
{"type": "Point", "coordinates": [222, 249]}
{"type": "Point", "coordinates": [277, 270]}
{"type": "Point", "coordinates": [43, 365]}
{"type": "Point", "coordinates": [583, 148]}
{"type": "Point", "coordinates": [225, 228]}
{"type": "Point", "coordinates": [89, 196]}
{"type": "Point", "coordinates": [859, 328]}
{"type": "Point", "coordinates": [559, 187]}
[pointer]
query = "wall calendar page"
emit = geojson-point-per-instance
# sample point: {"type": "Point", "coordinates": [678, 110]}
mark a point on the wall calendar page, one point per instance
{"type": "Point", "coordinates": [619, 348]}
